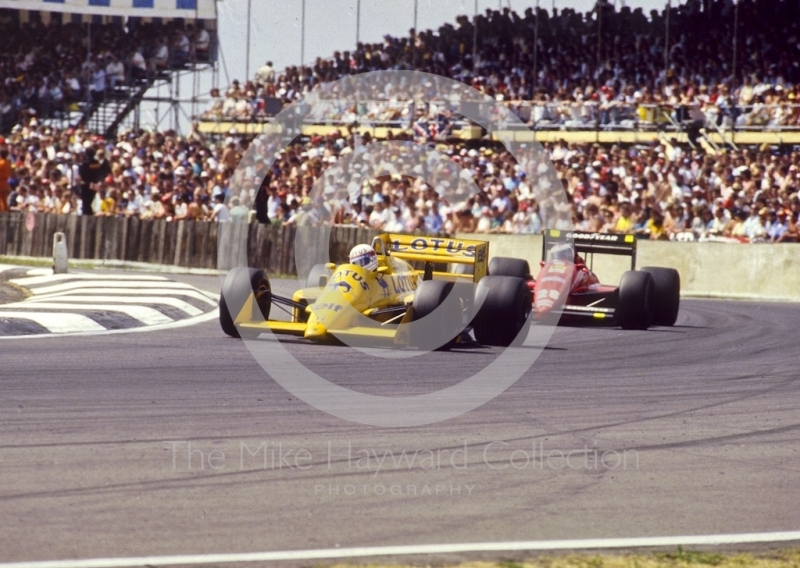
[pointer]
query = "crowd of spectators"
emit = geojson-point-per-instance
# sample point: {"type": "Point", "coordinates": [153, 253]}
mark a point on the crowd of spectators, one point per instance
{"type": "Point", "coordinates": [658, 191]}
{"type": "Point", "coordinates": [142, 174]}
{"type": "Point", "coordinates": [605, 67]}
{"type": "Point", "coordinates": [48, 70]}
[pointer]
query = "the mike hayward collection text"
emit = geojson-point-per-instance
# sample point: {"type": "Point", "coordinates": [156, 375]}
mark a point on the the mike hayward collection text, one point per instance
{"type": "Point", "coordinates": [345, 456]}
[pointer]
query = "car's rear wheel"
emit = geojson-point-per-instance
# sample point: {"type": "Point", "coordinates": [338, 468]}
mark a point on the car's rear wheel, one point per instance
{"type": "Point", "coordinates": [635, 304]}
{"type": "Point", "coordinates": [504, 266]}
{"type": "Point", "coordinates": [239, 284]}
{"type": "Point", "coordinates": [442, 297]}
{"type": "Point", "coordinates": [505, 308]}
{"type": "Point", "coordinates": [667, 286]}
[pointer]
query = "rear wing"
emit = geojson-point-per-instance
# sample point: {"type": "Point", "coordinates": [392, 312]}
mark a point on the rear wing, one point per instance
{"type": "Point", "coordinates": [437, 250]}
{"type": "Point", "coordinates": [591, 243]}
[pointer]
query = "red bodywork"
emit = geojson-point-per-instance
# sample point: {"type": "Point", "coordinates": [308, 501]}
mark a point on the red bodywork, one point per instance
{"type": "Point", "coordinates": [562, 283]}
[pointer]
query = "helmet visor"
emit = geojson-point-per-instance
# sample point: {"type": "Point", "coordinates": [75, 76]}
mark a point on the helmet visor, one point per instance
{"type": "Point", "coordinates": [365, 260]}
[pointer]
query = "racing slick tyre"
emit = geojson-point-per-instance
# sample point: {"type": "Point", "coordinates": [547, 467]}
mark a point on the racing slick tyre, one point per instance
{"type": "Point", "coordinates": [505, 310]}
{"type": "Point", "coordinates": [503, 266]}
{"type": "Point", "coordinates": [636, 300]}
{"type": "Point", "coordinates": [667, 284]}
{"type": "Point", "coordinates": [444, 327]}
{"type": "Point", "coordinates": [317, 271]}
{"type": "Point", "coordinates": [238, 285]}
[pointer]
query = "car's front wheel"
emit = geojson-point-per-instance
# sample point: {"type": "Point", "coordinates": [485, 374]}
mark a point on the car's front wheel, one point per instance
{"type": "Point", "coordinates": [239, 284]}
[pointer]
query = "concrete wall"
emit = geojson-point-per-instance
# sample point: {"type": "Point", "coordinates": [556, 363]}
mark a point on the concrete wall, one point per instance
{"type": "Point", "coordinates": [763, 271]}
{"type": "Point", "coordinates": [757, 271]}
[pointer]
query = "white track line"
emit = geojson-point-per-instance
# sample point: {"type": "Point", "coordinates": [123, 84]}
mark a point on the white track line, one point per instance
{"type": "Point", "coordinates": [5, 267]}
{"type": "Point", "coordinates": [212, 315]}
{"type": "Point", "coordinates": [149, 300]}
{"type": "Point", "coordinates": [40, 272]}
{"type": "Point", "coordinates": [56, 323]}
{"type": "Point", "coordinates": [109, 284]}
{"type": "Point", "coordinates": [52, 278]}
{"type": "Point", "coordinates": [144, 314]}
{"type": "Point", "coordinates": [335, 553]}
{"type": "Point", "coordinates": [207, 297]}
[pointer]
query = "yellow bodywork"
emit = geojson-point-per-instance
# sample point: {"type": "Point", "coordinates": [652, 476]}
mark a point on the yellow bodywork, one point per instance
{"type": "Point", "coordinates": [372, 304]}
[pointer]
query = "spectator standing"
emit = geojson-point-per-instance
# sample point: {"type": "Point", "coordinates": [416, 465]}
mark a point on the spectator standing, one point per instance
{"type": "Point", "coordinates": [16, 201]}
{"type": "Point", "coordinates": [266, 74]}
{"type": "Point", "coordinates": [792, 232]}
{"type": "Point", "coordinates": [115, 72]}
{"type": "Point", "coordinates": [624, 222]}
{"type": "Point", "coordinates": [5, 174]}
{"type": "Point", "coordinates": [202, 43]}
{"type": "Point", "coordinates": [433, 220]}
{"type": "Point", "coordinates": [238, 212]}
{"type": "Point", "coordinates": [181, 48]}
{"type": "Point", "coordinates": [98, 88]}
{"type": "Point", "coordinates": [160, 60]}
{"type": "Point", "coordinates": [777, 226]}
{"type": "Point", "coordinates": [92, 172]}
{"type": "Point", "coordinates": [220, 213]}
{"type": "Point", "coordinates": [138, 65]}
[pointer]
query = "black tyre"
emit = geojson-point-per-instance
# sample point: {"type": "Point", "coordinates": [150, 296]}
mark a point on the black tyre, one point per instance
{"type": "Point", "coordinates": [238, 286]}
{"type": "Point", "coordinates": [317, 271]}
{"type": "Point", "coordinates": [667, 303]}
{"type": "Point", "coordinates": [505, 310]}
{"type": "Point", "coordinates": [635, 304]}
{"type": "Point", "coordinates": [429, 296]}
{"type": "Point", "coordinates": [503, 266]}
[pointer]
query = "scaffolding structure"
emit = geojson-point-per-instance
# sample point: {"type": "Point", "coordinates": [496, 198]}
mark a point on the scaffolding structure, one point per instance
{"type": "Point", "coordinates": [164, 102]}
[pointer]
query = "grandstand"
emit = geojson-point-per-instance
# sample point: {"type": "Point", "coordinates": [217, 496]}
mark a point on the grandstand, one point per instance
{"type": "Point", "coordinates": [604, 76]}
{"type": "Point", "coordinates": [92, 63]}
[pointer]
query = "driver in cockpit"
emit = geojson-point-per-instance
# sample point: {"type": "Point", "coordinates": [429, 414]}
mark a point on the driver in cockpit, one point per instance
{"type": "Point", "coordinates": [364, 256]}
{"type": "Point", "coordinates": [566, 253]}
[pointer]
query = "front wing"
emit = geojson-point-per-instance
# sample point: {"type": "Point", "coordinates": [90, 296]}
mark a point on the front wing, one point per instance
{"type": "Point", "coordinates": [249, 324]}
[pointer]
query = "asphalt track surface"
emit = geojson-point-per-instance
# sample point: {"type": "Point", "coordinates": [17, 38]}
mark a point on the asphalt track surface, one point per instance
{"type": "Point", "coordinates": [94, 434]}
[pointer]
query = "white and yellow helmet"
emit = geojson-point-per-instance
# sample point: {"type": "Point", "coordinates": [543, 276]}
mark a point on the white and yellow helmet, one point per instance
{"type": "Point", "coordinates": [364, 256]}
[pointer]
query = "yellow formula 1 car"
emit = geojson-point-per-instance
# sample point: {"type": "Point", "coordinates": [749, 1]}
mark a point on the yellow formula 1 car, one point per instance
{"type": "Point", "coordinates": [393, 302]}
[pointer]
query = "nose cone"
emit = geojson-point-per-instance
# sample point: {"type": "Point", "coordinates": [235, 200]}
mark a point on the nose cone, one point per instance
{"type": "Point", "coordinates": [546, 309]}
{"type": "Point", "coordinates": [552, 288]}
{"type": "Point", "coordinates": [542, 308]}
{"type": "Point", "coordinates": [314, 329]}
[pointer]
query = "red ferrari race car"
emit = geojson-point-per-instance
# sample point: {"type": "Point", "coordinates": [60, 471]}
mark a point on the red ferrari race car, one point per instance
{"type": "Point", "coordinates": [567, 286]}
